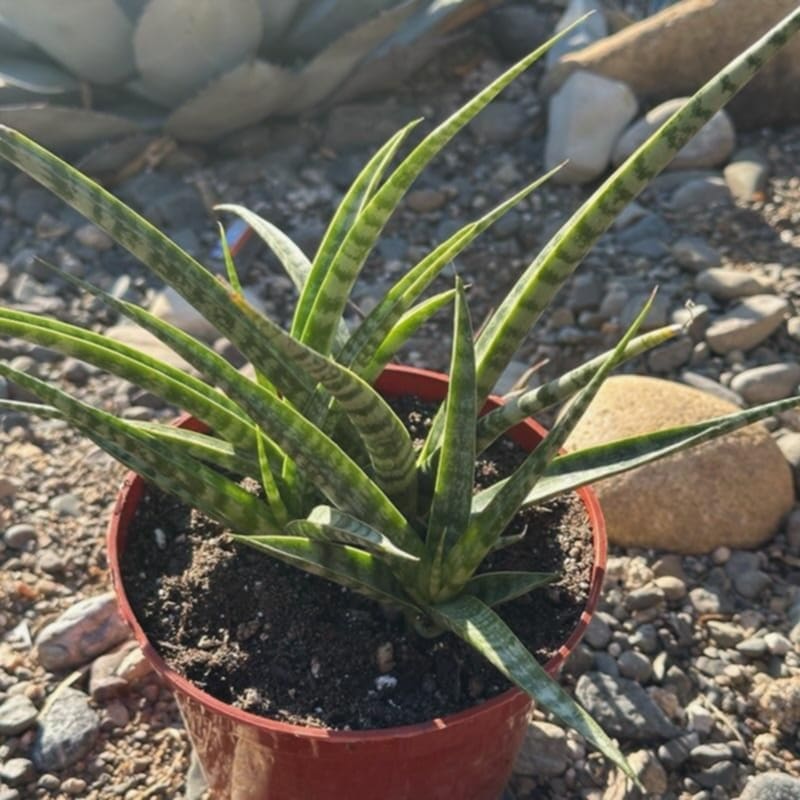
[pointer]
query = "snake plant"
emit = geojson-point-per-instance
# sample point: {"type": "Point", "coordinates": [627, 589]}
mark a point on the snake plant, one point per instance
{"type": "Point", "coordinates": [346, 494]}
{"type": "Point", "coordinates": [79, 72]}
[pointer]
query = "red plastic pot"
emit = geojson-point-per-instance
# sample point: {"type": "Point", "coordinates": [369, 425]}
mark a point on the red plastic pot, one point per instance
{"type": "Point", "coordinates": [464, 756]}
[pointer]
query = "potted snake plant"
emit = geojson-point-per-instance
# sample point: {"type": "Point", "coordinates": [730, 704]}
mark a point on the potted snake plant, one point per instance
{"type": "Point", "coordinates": [309, 462]}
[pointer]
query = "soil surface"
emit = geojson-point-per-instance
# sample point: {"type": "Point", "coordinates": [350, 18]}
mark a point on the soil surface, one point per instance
{"type": "Point", "coordinates": [272, 640]}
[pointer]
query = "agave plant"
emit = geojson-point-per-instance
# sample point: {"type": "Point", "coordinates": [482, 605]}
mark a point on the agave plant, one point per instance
{"type": "Point", "coordinates": [92, 69]}
{"type": "Point", "coordinates": [345, 493]}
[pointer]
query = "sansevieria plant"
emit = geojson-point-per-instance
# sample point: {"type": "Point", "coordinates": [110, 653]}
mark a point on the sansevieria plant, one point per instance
{"type": "Point", "coordinates": [346, 495]}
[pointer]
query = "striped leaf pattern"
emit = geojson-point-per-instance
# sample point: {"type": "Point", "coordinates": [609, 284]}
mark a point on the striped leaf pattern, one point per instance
{"type": "Point", "coordinates": [162, 463]}
{"type": "Point", "coordinates": [479, 626]}
{"type": "Point", "coordinates": [357, 570]}
{"type": "Point", "coordinates": [156, 251]}
{"type": "Point", "coordinates": [533, 291]}
{"type": "Point", "coordinates": [488, 525]}
{"type": "Point", "coordinates": [385, 437]}
{"type": "Point", "coordinates": [329, 301]}
{"type": "Point", "coordinates": [494, 588]}
{"type": "Point", "coordinates": [594, 464]}
{"type": "Point", "coordinates": [406, 291]}
{"type": "Point", "coordinates": [346, 215]}
{"type": "Point", "coordinates": [455, 478]}
{"type": "Point", "coordinates": [517, 408]}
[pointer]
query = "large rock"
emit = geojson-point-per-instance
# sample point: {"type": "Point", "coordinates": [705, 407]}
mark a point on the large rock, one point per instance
{"type": "Point", "coordinates": [674, 52]}
{"type": "Point", "coordinates": [733, 491]}
{"type": "Point", "coordinates": [85, 630]}
{"type": "Point", "coordinates": [68, 729]}
{"type": "Point", "coordinates": [711, 146]}
{"type": "Point", "coordinates": [586, 116]}
{"type": "Point", "coordinates": [771, 786]}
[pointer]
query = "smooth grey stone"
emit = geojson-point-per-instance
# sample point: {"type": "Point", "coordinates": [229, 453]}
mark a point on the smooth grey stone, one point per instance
{"type": "Point", "coordinates": [711, 386]}
{"type": "Point", "coordinates": [606, 664]}
{"type": "Point", "coordinates": [20, 536]}
{"type": "Point", "coordinates": [646, 638]}
{"type": "Point", "coordinates": [751, 584]}
{"type": "Point", "coordinates": [670, 356]}
{"type": "Point", "coordinates": [517, 29]}
{"type": "Point", "coordinates": [767, 383]}
{"type": "Point", "coordinates": [653, 226]}
{"type": "Point", "coordinates": [728, 284]}
{"type": "Point", "coordinates": [747, 173]}
{"type": "Point", "coordinates": [635, 666]}
{"type": "Point", "coordinates": [723, 773]}
{"type": "Point", "coordinates": [708, 754]}
{"type": "Point", "coordinates": [17, 714]}
{"type": "Point", "coordinates": [17, 771]}
{"type": "Point", "coordinates": [748, 324]}
{"type": "Point", "coordinates": [623, 708]}
{"type": "Point", "coordinates": [598, 633]}
{"type": "Point", "coordinates": [754, 647]}
{"type": "Point", "coordinates": [644, 597]}
{"type": "Point", "coordinates": [725, 634]}
{"type": "Point", "coordinates": [674, 752]}
{"type": "Point", "coordinates": [586, 116]}
{"type": "Point", "coordinates": [771, 786]}
{"type": "Point", "coordinates": [592, 29]}
{"type": "Point", "coordinates": [695, 254]}
{"type": "Point", "coordinates": [67, 731]}
{"type": "Point", "coordinates": [701, 193]}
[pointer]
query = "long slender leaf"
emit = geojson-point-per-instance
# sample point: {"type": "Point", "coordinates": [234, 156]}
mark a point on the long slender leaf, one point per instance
{"type": "Point", "coordinates": [455, 478]}
{"type": "Point", "coordinates": [541, 280]}
{"type": "Point", "coordinates": [347, 566]}
{"type": "Point", "coordinates": [165, 464]}
{"type": "Point", "coordinates": [518, 408]}
{"type": "Point", "coordinates": [482, 628]}
{"type": "Point", "coordinates": [156, 251]}
{"type": "Point", "coordinates": [385, 437]}
{"type": "Point", "coordinates": [291, 257]}
{"type": "Point", "coordinates": [405, 292]}
{"type": "Point", "coordinates": [330, 297]}
{"type": "Point", "coordinates": [494, 588]}
{"type": "Point", "coordinates": [169, 383]}
{"type": "Point", "coordinates": [351, 206]}
{"type": "Point", "coordinates": [405, 328]}
{"type": "Point", "coordinates": [331, 525]}
{"type": "Point", "coordinates": [602, 461]}
{"type": "Point", "coordinates": [487, 526]}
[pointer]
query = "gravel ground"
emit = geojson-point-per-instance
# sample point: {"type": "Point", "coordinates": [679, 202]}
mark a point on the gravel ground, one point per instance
{"type": "Point", "coordinates": [716, 653]}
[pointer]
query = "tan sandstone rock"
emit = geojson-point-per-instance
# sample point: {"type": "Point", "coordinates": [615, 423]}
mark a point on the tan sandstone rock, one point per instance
{"type": "Point", "coordinates": [674, 52]}
{"type": "Point", "coordinates": [732, 491]}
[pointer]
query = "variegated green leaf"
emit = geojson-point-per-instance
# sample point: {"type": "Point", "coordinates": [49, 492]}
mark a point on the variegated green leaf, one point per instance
{"type": "Point", "coordinates": [156, 251]}
{"type": "Point", "coordinates": [291, 257]}
{"type": "Point", "coordinates": [455, 477]}
{"type": "Point", "coordinates": [346, 214]}
{"type": "Point", "coordinates": [527, 404]}
{"type": "Point", "coordinates": [405, 328]}
{"type": "Point", "coordinates": [167, 465]}
{"type": "Point", "coordinates": [541, 280]}
{"type": "Point", "coordinates": [328, 524]}
{"type": "Point", "coordinates": [494, 588]}
{"type": "Point", "coordinates": [386, 439]}
{"type": "Point", "coordinates": [602, 461]}
{"type": "Point", "coordinates": [347, 566]}
{"type": "Point", "coordinates": [330, 297]}
{"type": "Point", "coordinates": [406, 291]}
{"type": "Point", "coordinates": [482, 628]}
{"type": "Point", "coordinates": [488, 525]}
{"type": "Point", "coordinates": [168, 382]}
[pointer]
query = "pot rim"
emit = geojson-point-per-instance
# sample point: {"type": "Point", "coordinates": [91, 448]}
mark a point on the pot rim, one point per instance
{"type": "Point", "coordinates": [511, 697]}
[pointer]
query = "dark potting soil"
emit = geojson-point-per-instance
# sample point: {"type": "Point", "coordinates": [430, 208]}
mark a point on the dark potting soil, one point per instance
{"type": "Point", "coordinates": [270, 639]}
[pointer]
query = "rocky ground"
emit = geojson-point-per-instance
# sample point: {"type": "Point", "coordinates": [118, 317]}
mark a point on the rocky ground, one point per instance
{"type": "Point", "coordinates": [692, 663]}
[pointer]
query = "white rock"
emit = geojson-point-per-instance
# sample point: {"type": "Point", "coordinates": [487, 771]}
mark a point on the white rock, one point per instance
{"type": "Point", "coordinates": [699, 719]}
{"type": "Point", "coordinates": [777, 643]}
{"type": "Point", "coordinates": [586, 117]}
{"type": "Point", "coordinates": [726, 284]}
{"type": "Point", "coordinates": [711, 146]}
{"type": "Point", "coordinates": [171, 307]}
{"type": "Point", "coordinates": [767, 383]}
{"type": "Point", "coordinates": [748, 324]}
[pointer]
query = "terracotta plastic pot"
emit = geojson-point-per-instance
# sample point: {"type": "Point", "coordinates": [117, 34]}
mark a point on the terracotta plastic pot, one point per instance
{"type": "Point", "coordinates": [463, 756]}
